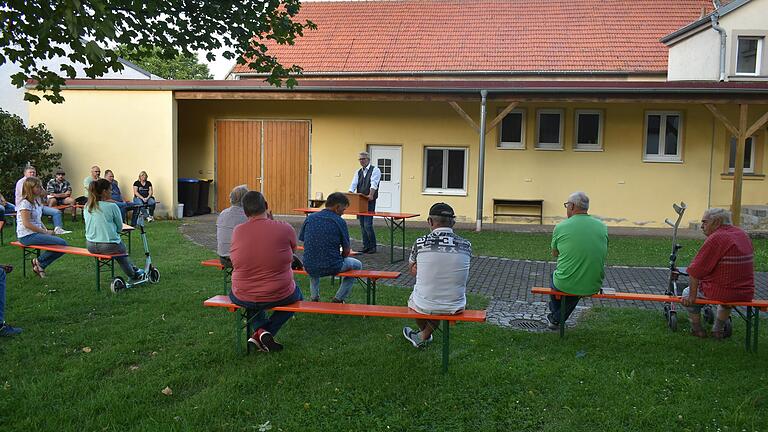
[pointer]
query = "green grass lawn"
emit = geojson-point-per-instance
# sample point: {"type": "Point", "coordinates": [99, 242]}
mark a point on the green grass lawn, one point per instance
{"type": "Point", "coordinates": [619, 370]}
{"type": "Point", "coordinates": [622, 250]}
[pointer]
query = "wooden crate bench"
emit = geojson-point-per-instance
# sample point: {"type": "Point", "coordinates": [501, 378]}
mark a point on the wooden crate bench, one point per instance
{"type": "Point", "coordinates": [529, 204]}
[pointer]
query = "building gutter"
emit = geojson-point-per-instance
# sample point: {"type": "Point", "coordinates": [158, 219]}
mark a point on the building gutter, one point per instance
{"type": "Point", "coordinates": [481, 162]}
{"type": "Point", "coordinates": [467, 90]}
{"type": "Point", "coordinates": [460, 73]}
{"type": "Point", "coordinates": [715, 26]}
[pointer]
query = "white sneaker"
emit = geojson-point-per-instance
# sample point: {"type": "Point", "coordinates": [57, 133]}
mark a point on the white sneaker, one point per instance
{"type": "Point", "coordinates": [61, 231]}
{"type": "Point", "coordinates": [150, 218]}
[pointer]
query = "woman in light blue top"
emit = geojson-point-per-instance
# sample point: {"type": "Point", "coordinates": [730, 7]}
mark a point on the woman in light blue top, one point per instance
{"type": "Point", "coordinates": [103, 223]}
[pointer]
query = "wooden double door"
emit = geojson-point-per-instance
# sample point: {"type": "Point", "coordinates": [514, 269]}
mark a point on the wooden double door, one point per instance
{"type": "Point", "coordinates": [270, 156]}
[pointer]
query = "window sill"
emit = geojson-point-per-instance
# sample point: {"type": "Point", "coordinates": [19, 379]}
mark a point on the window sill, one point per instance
{"type": "Point", "coordinates": [588, 149]}
{"type": "Point", "coordinates": [549, 149]}
{"type": "Point", "coordinates": [444, 192]}
{"type": "Point", "coordinates": [746, 176]}
{"type": "Point", "coordinates": [510, 147]}
{"type": "Point", "coordinates": [669, 161]}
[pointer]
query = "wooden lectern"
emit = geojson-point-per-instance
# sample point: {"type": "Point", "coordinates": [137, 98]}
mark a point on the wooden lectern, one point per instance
{"type": "Point", "coordinates": [358, 203]}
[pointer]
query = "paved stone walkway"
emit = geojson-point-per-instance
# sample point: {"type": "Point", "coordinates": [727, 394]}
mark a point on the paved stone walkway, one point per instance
{"type": "Point", "coordinates": [505, 282]}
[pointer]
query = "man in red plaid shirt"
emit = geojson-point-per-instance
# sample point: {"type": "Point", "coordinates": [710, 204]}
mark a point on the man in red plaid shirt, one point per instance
{"type": "Point", "coordinates": [723, 270]}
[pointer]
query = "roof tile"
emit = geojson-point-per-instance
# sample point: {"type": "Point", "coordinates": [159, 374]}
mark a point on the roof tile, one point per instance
{"type": "Point", "coordinates": [487, 35]}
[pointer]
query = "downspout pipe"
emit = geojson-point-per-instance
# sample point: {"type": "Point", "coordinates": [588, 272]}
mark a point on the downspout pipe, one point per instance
{"type": "Point", "coordinates": [715, 17]}
{"type": "Point", "coordinates": [481, 162]}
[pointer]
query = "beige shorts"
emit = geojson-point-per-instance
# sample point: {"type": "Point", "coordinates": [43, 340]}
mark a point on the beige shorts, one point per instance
{"type": "Point", "coordinates": [412, 305]}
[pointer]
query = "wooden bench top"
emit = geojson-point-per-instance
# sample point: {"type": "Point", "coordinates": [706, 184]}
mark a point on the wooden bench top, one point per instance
{"type": "Point", "coordinates": [761, 304]}
{"type": "Point", "coordinates": [354, 309]}
{"type": "Point", "coordinates": [128, 228]}
{"type": "Point", "coordinates": [70, 250]}
{"type": "Point", "coordinates": [365, 274]}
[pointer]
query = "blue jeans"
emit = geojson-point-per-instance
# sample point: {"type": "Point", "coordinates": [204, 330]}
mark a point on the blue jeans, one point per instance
{"type": "Point", "coordinates": [366, 227]}
{"type": "Point", "coordinates": [554, 304]}
{"type": "Point", "coordinates": [46, 258]}
{"type": "Point", "coordinates": [55, 214]}
{"type": "Point", "coordinates": [123, 208]}
{"type": "Point", "coordinates": [137, 201]}
{"type": "Point", "coordinates": [114, 248]}
{"type": "Point", "coordinates": [346, 283]}
{"type": "Point", "coordinates": [8, 208]}
{"type": "Point", "coordinates": [2, 296]}
{"type": "Point", "coordinates": [277, 319]}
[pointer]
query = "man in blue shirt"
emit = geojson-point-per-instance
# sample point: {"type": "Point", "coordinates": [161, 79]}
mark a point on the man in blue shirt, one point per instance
{"type": "Point", "coordinates": [117, 195]}
{"type": "Point", "coordinates": [326, 247]}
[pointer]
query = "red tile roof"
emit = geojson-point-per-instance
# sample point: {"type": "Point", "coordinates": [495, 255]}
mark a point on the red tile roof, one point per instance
{"type": "Point", "coordinates": [488, 35]}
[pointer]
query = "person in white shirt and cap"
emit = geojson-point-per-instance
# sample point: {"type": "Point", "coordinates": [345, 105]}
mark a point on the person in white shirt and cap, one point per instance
{"type": "Point", "coordinates": [366, 182]}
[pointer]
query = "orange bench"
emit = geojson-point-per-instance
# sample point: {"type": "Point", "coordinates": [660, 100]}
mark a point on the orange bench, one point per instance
{"type": "Point", "coordinates": [66, 206]}
{"type": "Point", "coordinates": [102, 260]}
{"type": "Point", "coordinates": [369, 276]}
{"type": "Point", "coordinates": [752, 316]}
{"type": "Point", "coordinates": [241, 316]}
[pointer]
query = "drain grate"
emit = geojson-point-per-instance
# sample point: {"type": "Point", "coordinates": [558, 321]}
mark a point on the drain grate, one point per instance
{"type": "Point", "coordinates": [527, 325]}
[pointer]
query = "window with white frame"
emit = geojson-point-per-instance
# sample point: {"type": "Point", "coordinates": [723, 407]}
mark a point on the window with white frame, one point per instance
{"type": "Point", "coordinates": [549, 129]}
{"type": "Point", "coordinates": [445, 170]}
{"type": "Point", "coordinates": [512, 130]}
{"type": "Point", "coordinates": [663, 136]}
{"type": "Point", "coordinates": [749, 155]}
{"type": "Point", "coordinates": [589, 130]}
{"type": "Point", "coordinates": [748, 55]}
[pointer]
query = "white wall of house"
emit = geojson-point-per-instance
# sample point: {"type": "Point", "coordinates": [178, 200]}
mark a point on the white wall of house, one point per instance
{"type": "Point", "coordinates": [698, 56]}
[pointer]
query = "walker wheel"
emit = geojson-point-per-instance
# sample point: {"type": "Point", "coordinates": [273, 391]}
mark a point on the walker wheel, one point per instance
{"type": "Point", "coordinates": [117, 285]}
{"type": "Point", "coordinates": [709, 314]}
{"type": "Point", "coordinates": [154, 275]}
{"type": "Point", "coordinates": [672, 321]}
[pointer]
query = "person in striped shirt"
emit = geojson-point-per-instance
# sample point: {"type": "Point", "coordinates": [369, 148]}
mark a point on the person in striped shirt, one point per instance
{"type": "Point", "coordinates": [722, 270]}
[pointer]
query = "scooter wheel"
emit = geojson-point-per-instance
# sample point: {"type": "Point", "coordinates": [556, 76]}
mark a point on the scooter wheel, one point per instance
{"type": "Point", "coordinates": [117, 285]}
{"type": "Point", "coordinates": [672, 321]}
{"type": "Point", "coordinates": [154, 275]}
{"type": "Point", "coordinates": [709, 314]}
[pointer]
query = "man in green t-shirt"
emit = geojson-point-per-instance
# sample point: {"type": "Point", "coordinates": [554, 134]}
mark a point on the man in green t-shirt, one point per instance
{"type": "Point", "coordinates": [580, 244]}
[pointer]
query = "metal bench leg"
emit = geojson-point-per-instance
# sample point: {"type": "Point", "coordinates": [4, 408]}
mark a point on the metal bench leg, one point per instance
{"type": "Point", "coordinates": [98, 275]}
{"type": "Point", "coordinates": [373, 286]}
{"type": "Point", "coordinates": [367, 291]}
{"type": "Point", "coordinates": [238, 344]}
{"type": "Point", "coordinates": [757, 328]}
{"type": "Point", "coordinates": [446, 344]}
{"type": "Point", "coordinates": [562, 316]}
{"type": "Point", "coordinates": [748, 340]}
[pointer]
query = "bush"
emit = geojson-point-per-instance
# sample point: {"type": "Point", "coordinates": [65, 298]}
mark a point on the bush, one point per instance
{"type": "Point", "coordinates": [21, 146]}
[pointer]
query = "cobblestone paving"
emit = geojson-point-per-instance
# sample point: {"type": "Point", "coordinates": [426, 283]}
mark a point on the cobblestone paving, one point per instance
{"type": "Point", "coordinates": [505, 282]}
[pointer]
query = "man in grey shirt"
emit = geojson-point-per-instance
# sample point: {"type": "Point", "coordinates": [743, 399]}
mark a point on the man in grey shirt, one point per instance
{"type": "Point", "coordinates": [440, 262]}
{"type": "Point", "coordinates": [228, 219]}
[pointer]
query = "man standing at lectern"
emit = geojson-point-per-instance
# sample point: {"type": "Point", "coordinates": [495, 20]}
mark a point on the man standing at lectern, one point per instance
{"type": "Point", "coordinates": [366, 182]}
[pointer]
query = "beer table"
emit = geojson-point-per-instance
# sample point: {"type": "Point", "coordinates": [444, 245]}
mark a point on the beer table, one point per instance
{"type": "Point", "coordinates": [395, 222]}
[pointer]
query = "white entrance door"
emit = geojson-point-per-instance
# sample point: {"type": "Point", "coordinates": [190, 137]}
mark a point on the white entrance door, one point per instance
{"type": "Point", "coordinates": [387, 158]}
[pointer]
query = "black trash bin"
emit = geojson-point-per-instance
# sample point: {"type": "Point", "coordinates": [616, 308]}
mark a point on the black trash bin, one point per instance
{"type": "Point", "coordinates": [202, 197]}
{"type": "Point", "coordinates": [189, 194]}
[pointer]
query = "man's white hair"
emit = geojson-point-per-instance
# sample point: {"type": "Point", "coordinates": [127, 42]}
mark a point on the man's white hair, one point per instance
{"type": "Point", "coordinates": [721, 214]}
{"type": "Point", "coordinates": [237, 194]}
{"type": "Point", "coordinates": [580, 200]}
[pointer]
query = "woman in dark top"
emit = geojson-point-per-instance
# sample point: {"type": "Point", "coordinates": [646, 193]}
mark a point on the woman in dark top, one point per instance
{"type": "Point", "coordinates": [143, 194]}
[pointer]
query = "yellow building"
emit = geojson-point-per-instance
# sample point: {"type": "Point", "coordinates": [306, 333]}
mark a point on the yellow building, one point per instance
{"type": "Point", "coordinates": [633, 140]}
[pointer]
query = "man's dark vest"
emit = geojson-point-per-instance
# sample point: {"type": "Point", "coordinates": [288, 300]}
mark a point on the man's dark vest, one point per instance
{"type": "Point", "coordinates": [364, 183]}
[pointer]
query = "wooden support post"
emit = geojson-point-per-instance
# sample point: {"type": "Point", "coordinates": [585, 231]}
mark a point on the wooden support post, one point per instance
{"type": "Point", "coordinates": [465, 116]}
{"type": "Point", "coordinates": [501, 116]}
{"type": "Point", "coordinates": [723, 119]}
{"type": "Point", "coordinates": [738, 166]}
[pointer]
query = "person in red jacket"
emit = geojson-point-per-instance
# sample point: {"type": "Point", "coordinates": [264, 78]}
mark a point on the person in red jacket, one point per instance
{"type": "Point", "coordinates": [262, 253]}
{"type": "Point", "coordinates": [722, 270]}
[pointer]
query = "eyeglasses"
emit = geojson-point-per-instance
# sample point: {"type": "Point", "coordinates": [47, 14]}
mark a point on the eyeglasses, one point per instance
{"type": "Point", "coordinates": [704, 221]}
{"type": "Point", "coordinates": [565, 204]}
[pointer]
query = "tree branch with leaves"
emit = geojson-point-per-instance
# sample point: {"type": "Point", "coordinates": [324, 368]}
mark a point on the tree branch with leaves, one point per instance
{"type": "Point", "coordinates": [87, 32]}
